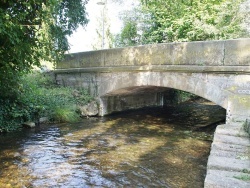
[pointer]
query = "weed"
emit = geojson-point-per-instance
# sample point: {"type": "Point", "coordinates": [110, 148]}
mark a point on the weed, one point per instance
{"type": "Point", "coordinates": [244, 177]}
{"type": "Point", "coordinates": [246, 171]}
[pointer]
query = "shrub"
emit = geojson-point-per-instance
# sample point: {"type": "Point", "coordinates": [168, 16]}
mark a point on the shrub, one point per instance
{"type": "Point", "coordinates": [37, 97]}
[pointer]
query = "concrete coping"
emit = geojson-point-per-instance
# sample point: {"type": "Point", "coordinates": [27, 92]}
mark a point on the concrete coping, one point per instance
{"type": "Point", "coordinates": [159, 68]}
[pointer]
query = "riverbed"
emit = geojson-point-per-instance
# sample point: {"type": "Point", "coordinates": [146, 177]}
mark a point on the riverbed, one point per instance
{"type": "Point", "coordinates": [154, 147]}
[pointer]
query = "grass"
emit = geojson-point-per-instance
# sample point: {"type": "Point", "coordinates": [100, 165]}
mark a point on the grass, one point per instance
{"type": "Point", "coordinates": [66, 114]}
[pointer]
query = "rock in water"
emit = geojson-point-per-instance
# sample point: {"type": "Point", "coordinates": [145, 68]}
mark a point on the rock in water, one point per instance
{"type": "Point", "coordinates": [91, 109]}
{"type": "Point", "coordinates": [43, 120]}
{"type": "Point", "coordinates": [29, 124]}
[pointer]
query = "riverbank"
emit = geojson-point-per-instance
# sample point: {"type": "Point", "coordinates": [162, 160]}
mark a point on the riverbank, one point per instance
{"type": "Point", "coordinates": [229, 160]}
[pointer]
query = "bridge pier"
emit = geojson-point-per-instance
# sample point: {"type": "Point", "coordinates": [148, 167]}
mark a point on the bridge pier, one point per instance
{"type": "Point", "coordinates": [238, 108]}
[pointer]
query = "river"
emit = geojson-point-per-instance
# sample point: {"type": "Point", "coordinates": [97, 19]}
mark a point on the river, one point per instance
{"type": "Point", "coordinates": [155, 147]}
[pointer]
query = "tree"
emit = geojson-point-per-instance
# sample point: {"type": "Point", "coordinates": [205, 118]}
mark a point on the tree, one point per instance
{"type": "Point", "coordinates": [192, 20]}
{"type": "Point", "coordinates": [34, 30]}
{"type": "Point", "coordinates": [129, 35]}
{"type": "Point", "coordinates": [103, 22]}
{"type": "Point", "coordinates": [245, 11]}
{"type": "Point", "coordinates": [184, 20]}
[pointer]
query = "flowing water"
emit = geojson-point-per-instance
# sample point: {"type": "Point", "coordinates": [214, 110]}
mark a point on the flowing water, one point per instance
{"type": "Point", "coordinates": [156, 147]}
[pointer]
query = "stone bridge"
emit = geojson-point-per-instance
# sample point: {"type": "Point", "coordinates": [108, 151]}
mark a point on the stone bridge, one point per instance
{"type": "Point", "coordinates": [215, 70]}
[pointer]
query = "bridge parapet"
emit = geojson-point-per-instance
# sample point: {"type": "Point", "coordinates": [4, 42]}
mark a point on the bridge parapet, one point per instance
{"type": "Point", "coordinates": [206, 53]}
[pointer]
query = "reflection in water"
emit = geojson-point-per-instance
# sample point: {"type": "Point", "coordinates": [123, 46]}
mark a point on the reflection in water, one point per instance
{"type": "Point", "coordinates": [158, 147]}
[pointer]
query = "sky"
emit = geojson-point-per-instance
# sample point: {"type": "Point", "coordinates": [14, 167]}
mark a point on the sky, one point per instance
{"type": "Point", "coordinates": [84, 38]}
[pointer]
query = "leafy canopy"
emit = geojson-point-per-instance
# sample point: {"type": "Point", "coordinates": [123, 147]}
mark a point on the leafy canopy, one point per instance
{"type": "Point", "coordinates": [129, 34]}
{"type": "Point", "coordinates": [185, 20]}
{"type": "Point", "coordinates": [192, 20]}
{"type": "Point", "coordinates": [32, 31]}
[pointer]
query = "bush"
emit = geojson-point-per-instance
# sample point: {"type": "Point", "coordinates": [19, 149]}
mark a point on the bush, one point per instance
{"type": "Point", "coordinates": [9, 115]}
{"type": "Point", "coordinates": [37, 97]}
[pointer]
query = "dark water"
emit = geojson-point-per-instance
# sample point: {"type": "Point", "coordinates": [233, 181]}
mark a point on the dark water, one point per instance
{"type": "Point", "coordinates": [157, 147]}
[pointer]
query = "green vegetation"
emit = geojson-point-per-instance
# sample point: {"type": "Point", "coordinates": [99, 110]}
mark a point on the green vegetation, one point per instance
{"type": "Point", "coordinates": [178, 96]}
{"type": "Point", "coordinates": [244, 177]}
{"type": "Point", "coordinates": [182, 96]}
{"type": "Point", "coordinates": [158, 21]}
{"type": "Point", "coordinates": [31, 32]}
{"type": "Point", "coordinates": [247, 126]}
{"type": "Point", "coordinates": [129, 35]}
{"type": "Point", "coordinates": [39, 97]}
{"type": "Point", "coordinates": [246, 171]}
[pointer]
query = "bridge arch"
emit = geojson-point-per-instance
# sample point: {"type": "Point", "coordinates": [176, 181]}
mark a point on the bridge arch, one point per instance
{"type": "Point", "coordinates": [195, 83]}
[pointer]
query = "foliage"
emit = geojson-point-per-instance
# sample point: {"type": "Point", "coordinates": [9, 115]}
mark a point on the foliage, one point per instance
{"type": "Point", "coordinates": [182, 96]}
{"type": "Point", "coordinates": [31, 31]}
{"type": "Point", "coordinates": [245, 11]}
{"type": "Point", "coordinates": [40, 97]}
{"type": "Point", "coordinates": [129, 35]}
{"type": "Point", "coordinates": [190, 20]}
{"type": "Point", "coordinates": [193, 20]}
{"type": "Point", "coordinates": [179, 96]}
{"type": "Point", "coordinates": [9, 114]}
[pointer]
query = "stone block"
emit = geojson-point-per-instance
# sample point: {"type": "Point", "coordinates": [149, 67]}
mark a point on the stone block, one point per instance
{"type": "Point", "coordinates": [198, 53]}
{"type": "Point", "coordinates": [82, 59]}
{"type": "Point", "coordinates": [225, 179]}
{"type": "Point", "coordinates": [228, 147]}
{"type": "Point", "coordinates": [237, 52]}
{"type": "Point", "coordinates": [231, 139]}
{"type": "Point", "coordinates": [232, 130]}
{"type": "Point", "coordinates": [227, 164]}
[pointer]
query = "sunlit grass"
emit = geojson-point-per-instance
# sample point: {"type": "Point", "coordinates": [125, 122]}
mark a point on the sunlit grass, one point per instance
{"type": "Point", "coordinates": [65, 114]}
